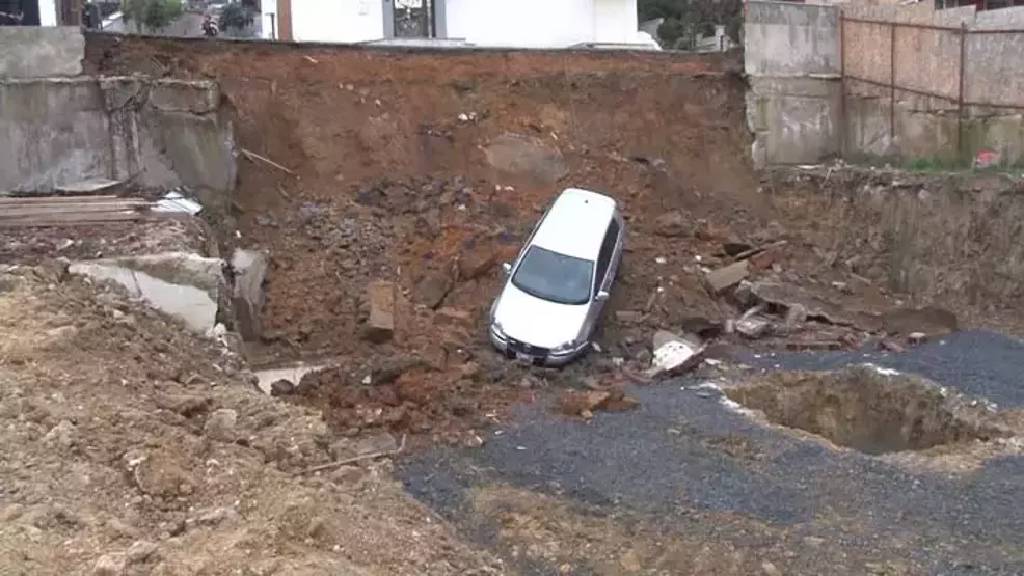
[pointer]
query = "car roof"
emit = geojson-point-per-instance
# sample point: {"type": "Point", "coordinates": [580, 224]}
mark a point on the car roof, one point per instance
{"type": "Point", "coordinates": [576, 223]}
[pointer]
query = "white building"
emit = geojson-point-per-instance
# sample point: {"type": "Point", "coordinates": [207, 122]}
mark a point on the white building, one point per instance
{"type": "Point", "coordinates": [507, 23]}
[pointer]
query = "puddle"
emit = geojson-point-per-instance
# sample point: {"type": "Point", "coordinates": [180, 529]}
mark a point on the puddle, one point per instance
{"type": "Point", "coordinates": [868, 410]}
{"type": "Point", "coordinates": [194, 306]}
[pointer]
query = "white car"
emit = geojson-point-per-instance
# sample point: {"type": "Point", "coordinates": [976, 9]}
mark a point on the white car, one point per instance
{"type": "Point", "coordinates": [557, 287]}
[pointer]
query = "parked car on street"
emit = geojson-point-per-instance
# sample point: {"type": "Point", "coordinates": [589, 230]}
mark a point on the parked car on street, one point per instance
{"type": "Point", "coordinates": [550, 305]}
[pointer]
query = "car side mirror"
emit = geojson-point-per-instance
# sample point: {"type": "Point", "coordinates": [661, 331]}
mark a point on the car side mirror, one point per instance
{"type": "Point", "coordinates": [602, 296]}
{"type": "Point", "coordinates": [507, 268]}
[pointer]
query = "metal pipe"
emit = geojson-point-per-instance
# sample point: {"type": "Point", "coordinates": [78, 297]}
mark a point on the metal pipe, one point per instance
{"type": "Point", "coordinates": [960, 97]}
{"type": "Point", "coordinates": [842, 83]}
{"type": "Point", "coordinates": [892, 84]}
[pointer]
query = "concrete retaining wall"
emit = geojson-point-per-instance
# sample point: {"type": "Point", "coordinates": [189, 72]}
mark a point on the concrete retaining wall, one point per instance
{"type": "Point", "coordinates": [40, 52]}
{"type": "Point", "coordinates": [160, 133]}
{"type": "Point", "coordinates": [792, 58]}
{"type": "Point", "coordinates": [800, 115]}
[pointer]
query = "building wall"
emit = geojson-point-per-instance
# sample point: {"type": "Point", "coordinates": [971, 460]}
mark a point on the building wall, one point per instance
{"type": "Point", "coordinates": [47, 12]}
{"type": "Point", "coordinates": [616, 21]}
{"type": "Point", "coordinates": [337, 21]}
{"type": "Point", "coordinates": [525, 23]}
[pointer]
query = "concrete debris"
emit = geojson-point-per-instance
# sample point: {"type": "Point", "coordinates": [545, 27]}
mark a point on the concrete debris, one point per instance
{"type": "Point", "coordinates": [787, 296]}
{"type": "Point", "coordinates": [381, 325]}
{"type": "Point", "coordinates": [673, 354]}
{"type": "Point", "coordinates": [629, 316]}
{"type": "Point", "coordinates": [752, 327]}
{"type": "Point", "coordinates": [722, 279]}
{"type": "Point", "coordinates": [280, 377]}
{"type": "Point", "coordinates": [930, 320]}
{"type": "Point", "coordinates": [248, 297]}
{"type": "Point", "coordinates": [796, 315]}
{"type": "Point", "coordinates": [175, 203]}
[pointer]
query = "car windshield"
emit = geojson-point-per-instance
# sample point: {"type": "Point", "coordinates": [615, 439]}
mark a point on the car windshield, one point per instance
{"type": "Point", "coordinates": [556, 277]}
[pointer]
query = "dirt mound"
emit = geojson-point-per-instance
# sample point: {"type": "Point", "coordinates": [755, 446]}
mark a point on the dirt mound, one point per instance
{"type": "Point", "coordinates": [129, 446]}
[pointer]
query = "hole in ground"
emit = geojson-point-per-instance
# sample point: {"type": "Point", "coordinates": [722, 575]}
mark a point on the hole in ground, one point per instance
{"type": "Point", "coordinates": [868, 411]}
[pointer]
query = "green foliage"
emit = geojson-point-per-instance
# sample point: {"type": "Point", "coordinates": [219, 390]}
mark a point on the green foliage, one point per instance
{"type": "Point", "coordinates": [687, 20]}
{"type": "Point", "coordinates": [236, 16]}
{"type": "Point", "coordinates": [152, 15]}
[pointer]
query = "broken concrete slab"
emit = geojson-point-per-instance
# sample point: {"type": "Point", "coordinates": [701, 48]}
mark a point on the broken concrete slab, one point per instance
{"type": "Point", "coordinates": [753, 327]}
{"type": "Point", "coordinates": [788, 296]}
{"type": "Point", "coordinates": [381, 325]}
{"type": "Point", "coordinates": [182, 285]}
{"type": "Point", "coordinates": [931, 321]}
{"type": "Point", "coordinates": [673, 354]}
{"type": "Point", "coordinates": [724, 278]}
{"type": "Point", "coordinates": [250, 268]}
{"type": "Point", "coordinates": [292, 373]}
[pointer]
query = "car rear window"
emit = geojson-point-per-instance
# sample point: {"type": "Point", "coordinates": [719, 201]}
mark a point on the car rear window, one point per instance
{"type": "Point", "coordinates": [556, 277]}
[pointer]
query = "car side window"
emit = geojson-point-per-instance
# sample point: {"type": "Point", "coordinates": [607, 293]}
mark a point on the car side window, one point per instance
{"type": "Point", "coordinates": [604, 258]}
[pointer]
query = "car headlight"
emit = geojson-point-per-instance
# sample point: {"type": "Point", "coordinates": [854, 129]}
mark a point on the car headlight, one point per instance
{"type": "Point", "coordinates": [498, 329]}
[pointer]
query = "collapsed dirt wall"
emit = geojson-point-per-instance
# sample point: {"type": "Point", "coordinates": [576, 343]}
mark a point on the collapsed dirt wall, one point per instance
{"type": "Point", "coordinates": [472, 142]}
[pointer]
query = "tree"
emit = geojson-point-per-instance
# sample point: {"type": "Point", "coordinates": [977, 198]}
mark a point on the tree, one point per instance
{"type": "Point", "coordinates": [236, 16]}
{"type": "Point", "coordinates": [686, 20]}
{"type": "Point", "coordinates": [152, 15]}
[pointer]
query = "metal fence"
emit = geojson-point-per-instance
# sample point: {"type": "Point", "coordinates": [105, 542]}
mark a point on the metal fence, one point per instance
{"type": "Point", "coordinates": [893, 82]}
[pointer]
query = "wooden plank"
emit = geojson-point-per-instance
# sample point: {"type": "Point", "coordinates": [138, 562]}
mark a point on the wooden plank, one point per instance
{"type": "Point", "coordinates": [58, 199]}
{"type": "Point", "coordinates": [43, 211]}
{"type": "Point", "coordinates": [66, 219]}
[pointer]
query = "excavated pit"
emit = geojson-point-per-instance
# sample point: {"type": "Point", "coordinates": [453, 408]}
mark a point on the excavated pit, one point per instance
{"type": "Point", "coordinates": [869, 410]}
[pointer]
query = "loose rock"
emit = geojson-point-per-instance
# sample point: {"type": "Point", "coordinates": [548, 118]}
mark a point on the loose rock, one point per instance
{"type": "Point", "coordinates": [221, 425]}
{"type": "Point", "coordinates": [672, 225]}
{"type": "Point", "coordinates": [381, 325]}
{"type": "Point", "coordinates": [724, 278]}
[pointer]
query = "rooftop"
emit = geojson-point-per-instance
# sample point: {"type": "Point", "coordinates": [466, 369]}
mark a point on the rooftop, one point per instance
{"type": "Point", "coordinates": [576, 223]}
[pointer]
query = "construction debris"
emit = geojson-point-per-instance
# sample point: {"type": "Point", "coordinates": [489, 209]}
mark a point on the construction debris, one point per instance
{"type": "Point", "coordinates": [381, 325]}
{"type": "Point", "coordinates": [673, 354]}
{"type": "Point", "coordinates": [720, 280]}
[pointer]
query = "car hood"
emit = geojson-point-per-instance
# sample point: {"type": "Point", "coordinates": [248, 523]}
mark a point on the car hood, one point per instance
{"type": "Point", "coordinates": [536, 321]}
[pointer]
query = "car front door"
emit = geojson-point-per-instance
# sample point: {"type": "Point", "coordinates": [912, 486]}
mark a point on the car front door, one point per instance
{"type": "Point", "coordinates": [607, 264]}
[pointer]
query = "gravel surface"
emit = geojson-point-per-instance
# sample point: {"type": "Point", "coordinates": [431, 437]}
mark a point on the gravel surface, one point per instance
{"type": "Point", "coordinates": [684, 451]}
{"type": "Point", "coordinates": [977, 363]}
